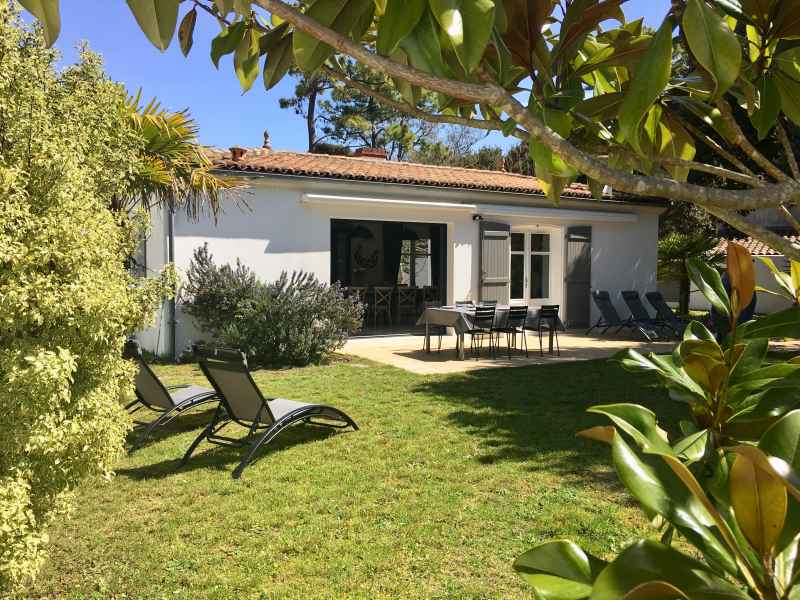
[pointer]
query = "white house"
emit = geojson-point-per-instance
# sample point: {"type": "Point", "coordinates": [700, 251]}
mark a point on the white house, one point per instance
{"type": "Point", "coordinates": [363, 220]}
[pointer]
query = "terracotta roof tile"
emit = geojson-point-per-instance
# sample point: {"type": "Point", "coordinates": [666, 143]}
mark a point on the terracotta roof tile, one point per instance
{"type": "Point", "coordinates": [386, 171]}
{"type": "Point", "coordinates": [755, 247]}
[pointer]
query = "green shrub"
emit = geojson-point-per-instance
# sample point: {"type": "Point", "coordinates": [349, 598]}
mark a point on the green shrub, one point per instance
{"type": "Point", "coordinates": [213, 294]}
{"type": "Point", "coordinates": [725, 493]}
{"type": "Point", "coordinates": [66, 300]}
{"type": "Point", "coordinates": [295, 320]}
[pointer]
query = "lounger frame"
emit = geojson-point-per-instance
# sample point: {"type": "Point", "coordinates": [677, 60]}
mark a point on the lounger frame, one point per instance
{"type": "Point", "coordinates": [264, 427]}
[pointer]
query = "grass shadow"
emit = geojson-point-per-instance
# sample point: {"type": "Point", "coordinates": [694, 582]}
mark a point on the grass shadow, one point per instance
{"type": "Point", "coordinates": [531, 414]}
{"type": "Point", "coordinates": [225, 458]}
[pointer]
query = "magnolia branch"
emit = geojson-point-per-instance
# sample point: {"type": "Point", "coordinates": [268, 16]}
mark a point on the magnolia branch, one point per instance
{"type": "Point", "coordinates": [774, 240]}
{"type": "Point", "coordinates": [787, 148]}
{"type": "Point", "coordinates": [741, 140]}
{"type": "Point", "coordinates": [721, 152]}
{"type": "Point", "coordinates": [413, 111]}
{"type": "Point", "coordinates": [773, 195]}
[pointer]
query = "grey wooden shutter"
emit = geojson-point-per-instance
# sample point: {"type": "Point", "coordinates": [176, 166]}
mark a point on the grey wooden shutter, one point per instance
{"type": "Point", "coordinates": [495, 257]}
{"type": "Point", "coordinates": [579, 276]}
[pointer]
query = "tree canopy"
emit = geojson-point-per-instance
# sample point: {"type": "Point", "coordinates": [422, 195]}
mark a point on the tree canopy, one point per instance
{"type": "Point", "coordinates": [587, 87]}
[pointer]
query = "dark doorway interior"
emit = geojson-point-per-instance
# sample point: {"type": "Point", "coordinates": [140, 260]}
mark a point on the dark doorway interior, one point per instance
{"type": "Point", "coordinates": [409, 258]}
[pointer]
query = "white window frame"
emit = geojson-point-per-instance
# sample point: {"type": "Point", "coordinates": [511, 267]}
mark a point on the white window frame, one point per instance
{"type": "Point", "coordinates": [528, 252]}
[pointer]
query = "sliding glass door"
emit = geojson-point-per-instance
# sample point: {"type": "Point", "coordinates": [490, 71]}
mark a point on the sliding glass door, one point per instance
{"type": "Point", "coordinates": [530, 267]}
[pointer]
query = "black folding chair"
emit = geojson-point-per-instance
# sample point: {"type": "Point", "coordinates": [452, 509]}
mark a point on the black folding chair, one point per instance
{"type": "Point", "coordinates": [170, 401]}
{"type": "Point", "coordinates": [665, 314]}
{"type": "Point", "coordinates": [515, 324]}
{"type": "Point", "coordinates": [640, 316]}
{"type": "Point", "coordinates": [482, 326]}
{"type": "Point", "coordinates": [242, 403]}
{"type": "Point", "coordinates": [609, 317]}
{"type": "Point", "coordinates": [547, 321]}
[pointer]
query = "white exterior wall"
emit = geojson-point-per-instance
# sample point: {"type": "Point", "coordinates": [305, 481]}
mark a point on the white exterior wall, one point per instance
{"type": "Point", "coordinates": [278, 230]}
{"type": "Point", "coordinates": [625, 257]}
{"type": "Point", "coordinates": [156, 337]}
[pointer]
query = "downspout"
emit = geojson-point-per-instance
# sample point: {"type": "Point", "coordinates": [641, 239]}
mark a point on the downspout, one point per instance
{"type": "Point", "coordinates": [171, 305]}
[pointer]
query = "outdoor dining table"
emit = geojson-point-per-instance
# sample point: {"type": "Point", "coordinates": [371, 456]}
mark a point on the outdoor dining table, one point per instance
{"type": "Point", "coordinates": [460, 318]}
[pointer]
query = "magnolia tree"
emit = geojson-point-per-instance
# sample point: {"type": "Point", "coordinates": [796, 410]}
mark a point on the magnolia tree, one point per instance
{"type": "Point", "coordinates": [589, 89]}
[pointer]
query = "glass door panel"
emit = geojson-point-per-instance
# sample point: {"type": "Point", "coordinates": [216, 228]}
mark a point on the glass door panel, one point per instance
{"type": "Point", "coordinates": [518, 268]}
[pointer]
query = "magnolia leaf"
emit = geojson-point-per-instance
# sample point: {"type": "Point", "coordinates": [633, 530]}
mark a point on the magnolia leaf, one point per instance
{"type": "Point", "coordinates": [224, 6]}
{"type": "Point", "coordinates": [692, 447]}
{"type": "Point", "coordinates": [559, 569]}
{"type": "Point", "coordinates": [227, 41]}
{"type": "Point", "coordinates": [246, 57]}
{"type": "Point", "coordinates": [47, 13]}
{"type": "Point", "coordinates": [467, 24]}
{"type": "Point", "coordinates": [652, 76]}
{"type": "Point", "coordinates": [709, 282]}
{"type": "Point", "coordinates": [638, 422]}
{"type": "Point", "coordinates": [769, 107]}
{"type": "Point", "coordinates": [398, 21]}
{"type": "Point", "coordinates": [157, 19]}
{"type": "Point", "coordinates": [655, 590]}
{"type": "Point", "coordinates": [783, 439]}
{"type": "Point", "coordinates": [278, 62]}
{"type": "Point", "coordinates": [186, 31]}
{"type": "Point", "coordinates": [423, 48]}
{"type": "Point", "coordinates": [759, 502]}
{"type": "Point", "coordinates": [664, 486]}
{"type": "Point", "coordinates": [647, 561]}
{"type": "Point", "coordinates": [600, 433]}
{"type": "Point", "coordinates": [785, 323]}
{"type": "Point", "coordinates": [343, 16]}
{"type": "Point", "coordinates": [742, 277]}
{"type": "Point", "coordinates": [712, 44]}
{"type": "Point", "coordinates": [794, 271]}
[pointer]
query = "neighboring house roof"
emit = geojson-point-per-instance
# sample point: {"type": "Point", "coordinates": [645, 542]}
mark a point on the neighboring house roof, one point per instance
{"type": "Point", "coordinates": [755, 247]}
{"type": "Point", "coordinates": [388, 171]}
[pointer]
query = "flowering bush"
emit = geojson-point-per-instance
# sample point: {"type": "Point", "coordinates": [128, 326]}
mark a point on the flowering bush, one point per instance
{"type": "Point", "coordinates": [295, 320]}
{"type": "Point", "coordinates": [66, 300]}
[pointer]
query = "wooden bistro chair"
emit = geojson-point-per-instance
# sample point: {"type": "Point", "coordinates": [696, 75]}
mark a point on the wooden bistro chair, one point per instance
{"type": "Point", "coordinates": [382, 304]}
{"type": "Point", "coordinates": [407, 298]}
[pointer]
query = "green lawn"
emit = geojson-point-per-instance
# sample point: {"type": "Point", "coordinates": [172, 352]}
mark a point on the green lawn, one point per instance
{"type": "Point", "coordinates": [448, 480]}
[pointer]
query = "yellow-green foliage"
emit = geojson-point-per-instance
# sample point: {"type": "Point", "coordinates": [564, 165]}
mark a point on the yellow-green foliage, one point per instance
{"type": "Point", "coordinates": [66, 300]}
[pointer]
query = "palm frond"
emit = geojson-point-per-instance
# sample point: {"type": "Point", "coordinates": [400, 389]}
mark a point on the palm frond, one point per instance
{"type": "Point", "coordinates": [174, 170]}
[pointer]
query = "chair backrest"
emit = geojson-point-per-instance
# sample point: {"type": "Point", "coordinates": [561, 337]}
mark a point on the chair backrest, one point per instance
{"type": "Point", "coordinates": [549, 311]}
{"type": "Point", "coordinates": [635, 305]}
{"type": "Point", "coordinates": [407, 296]}
{"type": "Point", "coordinates": [663, 310]}
{"type": "Point", "coordinates": [431, 294]}
{"type": "Point", "coordinates": [359, 293]}
{"type": "Point", "coordinates": [149, 389]}
{"type": "Point", "coordinates": [484, 316]}
{"type": "Point", "coordinates": [226, 370]}
{"type": "Point", "coordinates": [383, 295]}
{"type": "Point", "coordinates": [603, 302]}
{"type": "Point", "coordinates": [517, 315]}
{"type": "Point", "coordinates": [488, 302]}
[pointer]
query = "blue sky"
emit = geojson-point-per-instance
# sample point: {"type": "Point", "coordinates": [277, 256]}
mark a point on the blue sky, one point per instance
{"type": "Point", "coordinates": [226, 116]}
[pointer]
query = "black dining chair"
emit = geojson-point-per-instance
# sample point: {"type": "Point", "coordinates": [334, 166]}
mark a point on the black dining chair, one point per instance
{"type": "Point", "coordinates": [515, 324]}
{"type": "Point", "coordinates": [482, 326]}
{"type": "Point", "coordinates": [547, 322]}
